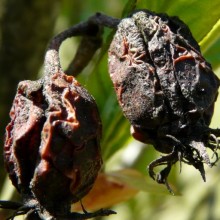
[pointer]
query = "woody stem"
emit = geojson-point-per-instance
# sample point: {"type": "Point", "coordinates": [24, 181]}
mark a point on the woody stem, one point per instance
{"type": "Point", "coordinates": [91, 27]}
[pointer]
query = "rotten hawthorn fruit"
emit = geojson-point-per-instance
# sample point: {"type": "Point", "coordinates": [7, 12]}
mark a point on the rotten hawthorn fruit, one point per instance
{"type": "Point", "coordinates": [165, 88]}
{"type": "Point", "coordinates": [52, 145]}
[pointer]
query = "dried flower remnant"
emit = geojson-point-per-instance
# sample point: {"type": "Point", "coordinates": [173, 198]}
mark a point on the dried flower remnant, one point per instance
{"type": "Point", "coordinates": [165, 88]}
{"type": "Point", "coordinates": [52, 146]}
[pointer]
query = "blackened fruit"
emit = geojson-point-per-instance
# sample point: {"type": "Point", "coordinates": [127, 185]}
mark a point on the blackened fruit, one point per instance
{"type": "Point", "coordinates": [165, 88]}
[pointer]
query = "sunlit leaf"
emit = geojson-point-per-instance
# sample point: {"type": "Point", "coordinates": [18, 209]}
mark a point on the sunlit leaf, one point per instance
{"type": "Point", "coordinates": [210, 46]}
{"type": "Point", "coordinates": [107, 191]}
{"type": "Point", "coordinates": [211, 38]}
{"type": "Point", "coordinates": [130, 6]}
{"type": "Point", "coordinates": [140, 182]}
{"type": "Point", "coordinates": [200, 15]}
{"type": "Point", "coordinates": [117, 186]}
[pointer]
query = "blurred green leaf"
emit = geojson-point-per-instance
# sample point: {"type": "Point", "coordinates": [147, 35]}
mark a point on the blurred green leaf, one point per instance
{"type": "Point", "coordinates": [138, 181]}
{"type": "Point", "coordinates": [129, 7]}
{"type": "Point", "coordinates": [210, 46]}
{"type": "Point", "coordinates": [211, 38]}
{"type": "Point", "coordinates": [200, 15]}
{"type": "Point", "coordinates": [107, 191]}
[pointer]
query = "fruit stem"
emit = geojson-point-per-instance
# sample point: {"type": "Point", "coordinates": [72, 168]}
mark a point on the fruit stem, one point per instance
{"type": "Point", "coordinates": [91, 27]}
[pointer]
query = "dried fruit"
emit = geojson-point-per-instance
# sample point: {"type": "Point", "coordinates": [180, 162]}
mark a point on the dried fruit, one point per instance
{"type": "Point", "coordinates": [165, 88]}
{"type": "Point", "coordinates": [52, 143]}
{"type": "Point", "coordinates": [52, 146]}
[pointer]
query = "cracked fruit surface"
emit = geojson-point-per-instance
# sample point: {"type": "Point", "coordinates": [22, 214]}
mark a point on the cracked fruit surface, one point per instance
{"type": "Point", "coordinates": [165, 87]}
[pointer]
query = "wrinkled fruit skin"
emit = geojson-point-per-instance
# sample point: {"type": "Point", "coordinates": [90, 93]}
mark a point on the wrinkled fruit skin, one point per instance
{"type": "Point", "coordinates": [52, 151]}
{"type": "Point", "coordinates": [164, 86]}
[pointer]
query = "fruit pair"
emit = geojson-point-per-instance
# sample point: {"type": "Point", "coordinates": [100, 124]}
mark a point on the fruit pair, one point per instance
{"type": "Point", "coordinates": [164, 86]}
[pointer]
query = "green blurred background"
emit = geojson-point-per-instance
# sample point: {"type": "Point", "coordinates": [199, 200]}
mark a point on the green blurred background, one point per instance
{"type": "Point", "coordinates": [27, 26]}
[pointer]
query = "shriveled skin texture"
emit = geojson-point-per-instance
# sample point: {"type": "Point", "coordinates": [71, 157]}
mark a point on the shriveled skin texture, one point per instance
{"type": "Point", "coordinates": [165, 87]}
{"type": "Point", "coordinates": [52, 150]}
{"type": "Point", "coordinates": [52, 146]}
